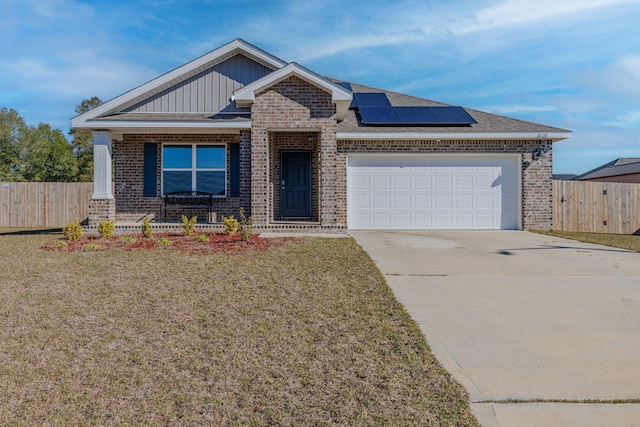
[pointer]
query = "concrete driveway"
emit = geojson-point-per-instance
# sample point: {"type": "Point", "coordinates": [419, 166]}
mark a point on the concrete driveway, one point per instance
{"type": "Point", "coordinates": [548, 323]}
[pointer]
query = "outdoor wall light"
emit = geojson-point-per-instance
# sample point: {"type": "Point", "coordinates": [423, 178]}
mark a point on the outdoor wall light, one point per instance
{"type": "Point", "coordinates": [541, 152]}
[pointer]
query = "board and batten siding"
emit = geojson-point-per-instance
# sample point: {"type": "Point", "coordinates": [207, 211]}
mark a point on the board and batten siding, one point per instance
{"type": "Point", "coordinates": [43, 204]}
{"type": "Point", "coordinates": [209, 91]}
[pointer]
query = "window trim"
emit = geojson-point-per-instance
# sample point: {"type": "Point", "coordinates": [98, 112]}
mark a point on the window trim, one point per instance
{"type": "Point", "coordinates": [194, 169]}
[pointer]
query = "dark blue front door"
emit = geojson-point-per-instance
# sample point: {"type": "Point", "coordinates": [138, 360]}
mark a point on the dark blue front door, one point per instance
{"type": "Point", "coordinates": [295, 184]}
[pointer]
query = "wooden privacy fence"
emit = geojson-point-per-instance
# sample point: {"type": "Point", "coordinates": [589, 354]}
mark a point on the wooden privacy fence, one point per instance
{"type": "Point", "coordinates": [598, 207]}
{"type": "Point", "coordinates": [43, 204]}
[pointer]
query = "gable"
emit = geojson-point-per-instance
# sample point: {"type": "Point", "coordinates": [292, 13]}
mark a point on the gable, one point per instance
{"type": "Point", "coordinates": [209, 91]}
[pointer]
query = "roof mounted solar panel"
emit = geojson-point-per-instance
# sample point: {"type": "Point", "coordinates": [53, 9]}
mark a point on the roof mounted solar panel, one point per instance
{"type": "Point", "coordinates": [452, 116]}
{"type": "Point", "coordinates": [378, 116]}
{"type": "Point", "coordinates": [370, 99]}
{"type": "Point", "coordinates": [345, 85]}
{"type": "Point", "coordinates": [415, 115]}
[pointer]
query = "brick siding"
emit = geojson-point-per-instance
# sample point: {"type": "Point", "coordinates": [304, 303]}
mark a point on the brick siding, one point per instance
{"type": "Point", "coordinates": [537, 207]}
{"type": "Point", "coordinates": [286, 116]}
{"type": "Point", "coordinates": [129, 177]}
{"type": "Point", "coordinates": [294, 114]}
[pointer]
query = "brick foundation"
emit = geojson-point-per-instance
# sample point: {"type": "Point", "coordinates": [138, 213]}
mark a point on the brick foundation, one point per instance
{"type": "Point", "coordinates": [101, 210]}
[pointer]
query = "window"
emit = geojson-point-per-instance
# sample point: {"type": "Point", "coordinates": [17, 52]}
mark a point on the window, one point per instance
{"type": "Point", "coordinates": [194, 167]}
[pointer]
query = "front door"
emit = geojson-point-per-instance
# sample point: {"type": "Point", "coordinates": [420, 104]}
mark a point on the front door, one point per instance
{"type": "Point", "coordinates": [295, 184]}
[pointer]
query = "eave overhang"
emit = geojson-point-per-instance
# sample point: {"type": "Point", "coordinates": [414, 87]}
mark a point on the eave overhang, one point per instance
{"type": "Point", "coordinates": [541, 136]}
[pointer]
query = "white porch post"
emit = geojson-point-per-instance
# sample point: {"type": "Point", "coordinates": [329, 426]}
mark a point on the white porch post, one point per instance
{"type": "Point", "coordinates": [102, 165]}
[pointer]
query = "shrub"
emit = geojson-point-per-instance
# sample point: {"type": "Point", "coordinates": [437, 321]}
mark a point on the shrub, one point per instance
{"type": "Point", "coordinates": [127, 240]}
{"type": "Point", "coordinates": [246, 226]}
{"type": "Point", "coordinates": [61, 243]}
{"type": "Point", "coordinates": [230, 225]}
{"type": "Point", "coordinates": [147, 231]}
{"type": "Point", "coordinates": [201, 238]}
{"type": "Point", "coordinates": [163, 242]}
{"type": "Point", "coordinates": [106, 228]}
{"type": "Point", "coordinates": [72, 231]}
{"type": "Point", "coordinates": [188, 225]}
{"type": "Point", "coordinates": [91, 247]}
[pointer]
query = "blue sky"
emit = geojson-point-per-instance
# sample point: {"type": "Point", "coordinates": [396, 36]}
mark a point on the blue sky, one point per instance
{"type": "Point", "coordinates": [573, 64]}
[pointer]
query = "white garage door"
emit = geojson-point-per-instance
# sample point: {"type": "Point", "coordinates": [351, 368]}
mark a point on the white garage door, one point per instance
{"type": "Point", "coordinates": [395, 192]}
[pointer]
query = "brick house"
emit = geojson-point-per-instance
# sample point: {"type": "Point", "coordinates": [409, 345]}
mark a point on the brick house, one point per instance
{"type": "Point", "coordinates": [300, 151]}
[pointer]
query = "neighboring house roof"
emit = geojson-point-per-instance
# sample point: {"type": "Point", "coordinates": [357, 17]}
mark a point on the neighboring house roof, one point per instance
{"type": "Point", "coordinates": [180, 101]}
{"type": "Point", "coordinates": [564, 176]}
{"type": "Point", "coordinates": [621, 166]}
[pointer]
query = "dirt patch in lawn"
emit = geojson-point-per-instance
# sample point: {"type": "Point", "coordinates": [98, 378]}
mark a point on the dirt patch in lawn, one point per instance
{"type": "Point", "coordinates": [299, 334]}
{"type": "Point", "coordinates": [214, 243]}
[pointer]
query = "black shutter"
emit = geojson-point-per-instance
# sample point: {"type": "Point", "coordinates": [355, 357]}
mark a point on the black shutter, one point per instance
{"type": "Point", "coordinates": [150, 169]}
{"type": "Point", "coordinates": [234, 170]}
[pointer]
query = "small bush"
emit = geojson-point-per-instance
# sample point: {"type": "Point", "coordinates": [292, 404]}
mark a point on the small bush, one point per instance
{"type": "Point", "coordinates": [163, 243]}
{"type": "Point", "coordinates": [231, 225]}
{"type": "Point", "coordinates": [147, 231]}
{"type": "Point", "coordinates": [246, 226]}
{"type": "Point", "coordinates": [127, 240]}
{"type": "Point", "coordinates": [106, 228]}
{"type": "Point", "coordinates": [188, 225]}
{"type": "Point", "coordinates": [201, 238]}
{"type": "Point", "coordinates": [72, 231]}
{"type": "Point", "coordinates": [61, 243]}
{"type": "Point", "coordinates": [89, 247]}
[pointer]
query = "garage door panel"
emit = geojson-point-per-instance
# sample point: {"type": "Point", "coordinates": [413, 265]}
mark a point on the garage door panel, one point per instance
{"type": "Point", "coordinates": [381, 201]}
{"type": "Point", "coordinates": [402, 201]}
{"type": "Point", "coordinates": [422, 182]}
{"type": "Point", "coordinates": [464, 201]}
{"type": "Point", "coordinates": [402, 183]}
{"type": "Point", "coordinates": [380, 182]}
{"type": "Point", "coordinates": [443, 201]}
{"type": "Point", "coordinates": [443, 183]}
{"type": "Point", "coordinates": [433, 192]}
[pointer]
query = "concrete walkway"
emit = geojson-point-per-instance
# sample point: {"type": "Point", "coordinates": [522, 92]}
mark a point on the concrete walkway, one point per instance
{"type": "Point", "coordinates": [549, 323]}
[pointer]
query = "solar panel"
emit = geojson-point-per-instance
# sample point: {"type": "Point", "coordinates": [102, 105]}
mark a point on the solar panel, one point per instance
{"type": "Point", "coordinates": [373, 99]}
{"type": "Point", "coordinates": [415, 115]}
{"type": "Point", "coordinates": [378, 115]}
{"type": "Point", "coordinates": [452, 116]}
{"type": "Point", "coordinates": [345, 85]}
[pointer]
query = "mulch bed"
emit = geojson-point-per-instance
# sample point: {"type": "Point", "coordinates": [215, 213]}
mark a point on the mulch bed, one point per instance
{"type": "Point", "coordinates": [217, 243]}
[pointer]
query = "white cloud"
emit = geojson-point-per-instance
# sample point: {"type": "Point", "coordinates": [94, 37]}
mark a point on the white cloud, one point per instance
{"type": "Point", "coordinates": [629, 119]}
{"type": "Point", "coordinates": [518, 12]}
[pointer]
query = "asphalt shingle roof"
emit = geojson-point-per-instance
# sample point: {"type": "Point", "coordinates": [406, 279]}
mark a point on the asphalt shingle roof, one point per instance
{"type": "Point", "coordinates": [622, 166]}
{"type": "Point", "coordinates": [486, 122]}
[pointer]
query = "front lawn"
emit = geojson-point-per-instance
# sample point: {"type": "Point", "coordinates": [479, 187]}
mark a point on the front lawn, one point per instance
{"type": "Point", "coordinates": [307, 333]}
{"type": "Point", "coordinates": [624, 241]}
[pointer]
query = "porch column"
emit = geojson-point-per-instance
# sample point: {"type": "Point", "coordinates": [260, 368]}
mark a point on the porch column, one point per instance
{"type": "Point", "coordinates": [102, 205]}
{"type": "Point", "coordinates": [102, 165]}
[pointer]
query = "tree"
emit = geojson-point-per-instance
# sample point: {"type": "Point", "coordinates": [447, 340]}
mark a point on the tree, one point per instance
{"type": "Point", "coordinates": [82, 142]}
{"type": "Point", "coordinates": [47, 156]}
{"type": "Point", "coordinates": [12, 127]}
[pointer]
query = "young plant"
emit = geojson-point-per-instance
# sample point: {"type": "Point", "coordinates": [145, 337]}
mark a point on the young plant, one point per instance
{"type": "Point", "coordinates": [201, 238]}
{"type": "Point", "coordinates": [231, 225]}
{"type": "Point", "coordinates": [127, 240]}
{"type": "Point", "coordinates": [147, 231]}
{"type": "Point", "coordinates": [106, 228]}
{"type": "Point", "coordinates": [163, 242]}
{"type": "Point", "coordinates": [246, 226]}
{"type": "Point", "coordinates": [188, 225]}
{"type": "Point", "coordinates": [72, 231]}
{"type": "Point", "coordinates": [90, 247]}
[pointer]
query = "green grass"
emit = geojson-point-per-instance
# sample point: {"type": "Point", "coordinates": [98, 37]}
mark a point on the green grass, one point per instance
{"type": "Point", "coordinates": [304, 334]}
{"type": "Point", "coordinates": [624, 241]}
